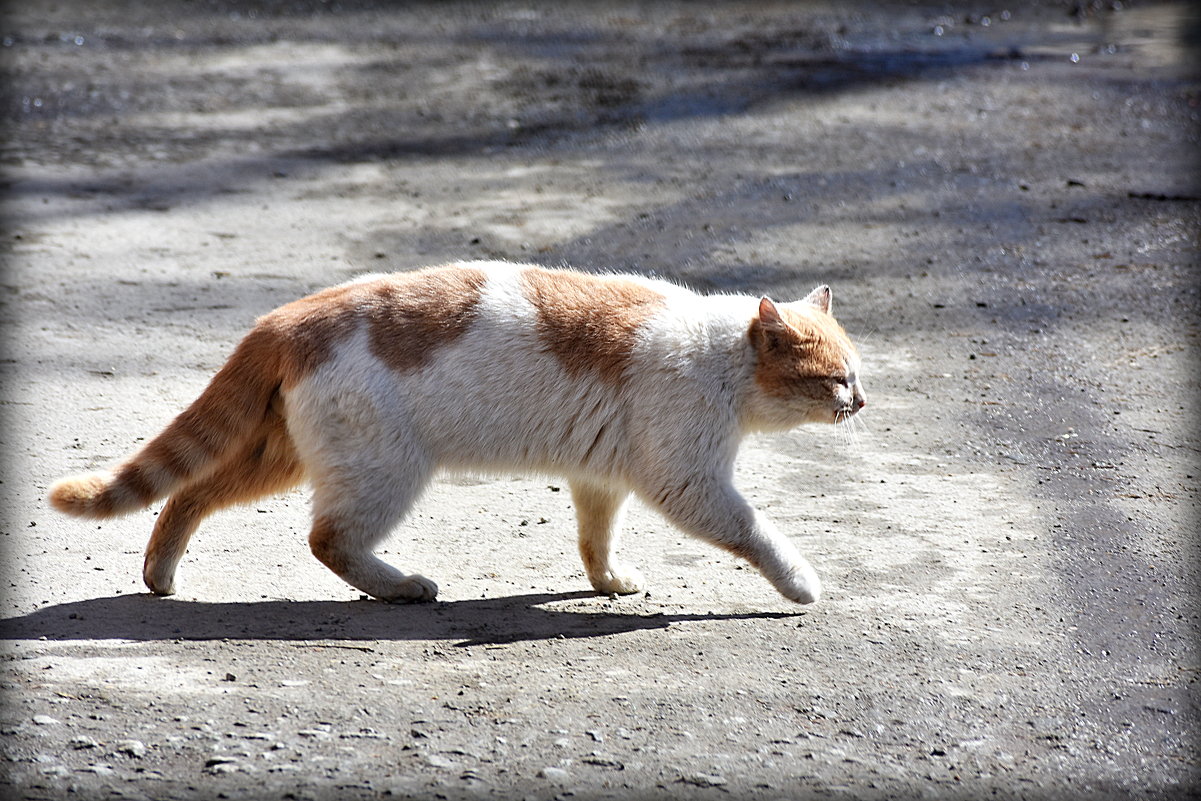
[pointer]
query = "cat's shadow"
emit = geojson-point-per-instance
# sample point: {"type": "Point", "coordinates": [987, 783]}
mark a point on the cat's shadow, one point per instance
{"type": "Point", "coordinates": [485, 621]}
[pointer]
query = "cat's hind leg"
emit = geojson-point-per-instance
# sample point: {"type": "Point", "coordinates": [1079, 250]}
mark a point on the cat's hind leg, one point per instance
{"type": "Point", "coordinates": [598, 512]}
{"type": "Point", "coordinates": [267, 464]}
{"type": "Point", "coordinates": [353, 511]}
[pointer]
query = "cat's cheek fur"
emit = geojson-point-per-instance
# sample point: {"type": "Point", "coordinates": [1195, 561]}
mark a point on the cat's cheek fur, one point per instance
{"type": "Point", "coordinates": [766, 413]}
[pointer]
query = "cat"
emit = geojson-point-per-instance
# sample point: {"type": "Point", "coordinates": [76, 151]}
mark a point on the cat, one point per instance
{"type": "Point", "coordinates": [620, 383]}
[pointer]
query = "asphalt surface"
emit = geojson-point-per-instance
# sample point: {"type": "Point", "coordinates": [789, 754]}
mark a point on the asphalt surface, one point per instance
{"type": "Point", "coordinates": [1004, 200]}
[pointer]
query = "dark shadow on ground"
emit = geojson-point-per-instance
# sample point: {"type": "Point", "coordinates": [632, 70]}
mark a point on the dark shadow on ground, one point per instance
{"type": "Point", "coordinates": [510, 619]}
{"type": "Point", "coordinates": [579, 80]}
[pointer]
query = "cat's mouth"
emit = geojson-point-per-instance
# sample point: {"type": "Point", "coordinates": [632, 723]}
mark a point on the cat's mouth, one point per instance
{"type": "Point", "coordinates": [849, 409]}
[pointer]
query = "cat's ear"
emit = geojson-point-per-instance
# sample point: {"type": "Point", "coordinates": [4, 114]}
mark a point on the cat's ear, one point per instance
{"type": "Point", "coordinates": [769, 315]}
{"type": "Point", "coordinates": [771, 325]}
{"type": "Point", "coordinates": [820, 298]}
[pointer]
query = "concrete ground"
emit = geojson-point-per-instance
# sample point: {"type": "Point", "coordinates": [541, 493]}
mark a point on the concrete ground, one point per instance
{"type": "Point", "coordinates": [1005, 203]}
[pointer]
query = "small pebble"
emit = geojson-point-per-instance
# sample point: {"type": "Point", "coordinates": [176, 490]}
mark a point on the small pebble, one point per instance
{"type": "Point", "coordinates": [367, 733]}
{"type": "Point", "coordinates": [222, 764]}
{"type": "Point", "coordinates": [554, 774]}
{"type": "Point", "coordinates": [45, 720]}
{"type": "Point", "coordinates": [314, 733]}
{"type": "Point", "coordinates": [704, 780]}
{"type": "Point", "coordinates": [132, 748]}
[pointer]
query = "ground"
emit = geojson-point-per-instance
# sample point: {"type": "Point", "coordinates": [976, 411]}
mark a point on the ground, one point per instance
{"type": "Point", "coordinates": [1003, 200]}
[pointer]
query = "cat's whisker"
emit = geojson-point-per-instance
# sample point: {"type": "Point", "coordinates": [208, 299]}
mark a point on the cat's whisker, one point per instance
{"type": "Point", "coordinates": [863, 424]}
{"type": "Point", "coordinates": [861, 427]}
{"type": "Point", "coordinates": [844, 421]}
{"type": "Point", "coordinates": [851, 427]}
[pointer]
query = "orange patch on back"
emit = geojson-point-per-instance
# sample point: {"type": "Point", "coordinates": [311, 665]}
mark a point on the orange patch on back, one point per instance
{"type": "Point", "coordinates": [415, 314]}
{"type": "Point", "coordinates": [309, 328]}
{"type": "Point", "coordinates": [408, 317]}
{"type": "Point", "coordinates": [590, 322]}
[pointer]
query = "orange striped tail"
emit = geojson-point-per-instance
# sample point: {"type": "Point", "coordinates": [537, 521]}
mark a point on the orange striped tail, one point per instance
{"type": "Point", "coordinates": [226, 415]}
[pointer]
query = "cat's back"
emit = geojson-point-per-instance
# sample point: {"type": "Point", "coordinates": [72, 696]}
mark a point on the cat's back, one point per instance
{"type": "Point", "coordinates": [481, 362]}
{"type": "Point", "coordinates": [589, 324]}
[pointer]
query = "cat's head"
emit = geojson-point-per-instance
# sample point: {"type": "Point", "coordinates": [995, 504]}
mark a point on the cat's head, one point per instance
{"type": "Point", "coordinates": [806, 369]}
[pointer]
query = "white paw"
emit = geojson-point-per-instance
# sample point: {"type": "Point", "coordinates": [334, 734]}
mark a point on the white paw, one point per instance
{"type": "Point", "coordinates": [800, 584]}
{"type": "Point", "coordinates": [160, 582]}
{"type": "Point", "coordinates": [413, 589]}
{"type": "Point", "coordinates": [619, 581]}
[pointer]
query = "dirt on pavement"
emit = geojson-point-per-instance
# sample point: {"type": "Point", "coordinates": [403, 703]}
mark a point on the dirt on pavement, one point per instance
{"type": "Point", "coordinates": [1004, 199]}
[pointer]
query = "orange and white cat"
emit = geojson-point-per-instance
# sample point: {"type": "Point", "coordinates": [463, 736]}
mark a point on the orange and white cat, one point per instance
{"type": "Point", "coordinates": [617, 382]}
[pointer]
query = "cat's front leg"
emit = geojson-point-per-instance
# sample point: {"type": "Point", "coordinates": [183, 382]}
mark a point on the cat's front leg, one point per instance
{"type": "Point", "coordinates": [712, 509]}
{"type": "Point", "coordinates": [790, 572]}
{"type": "Point", "coordinates": [598, 512]}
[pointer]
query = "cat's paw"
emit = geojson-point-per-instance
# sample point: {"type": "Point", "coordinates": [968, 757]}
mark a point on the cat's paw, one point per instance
{"type": "Point", "coordinates": [159, 580]}
{"type": "Point", "coordinates": [619, 581]}
{"type": "Point", "coordinates": [801, 585]}
{"type": "Point", "coordinates": [413, 589]}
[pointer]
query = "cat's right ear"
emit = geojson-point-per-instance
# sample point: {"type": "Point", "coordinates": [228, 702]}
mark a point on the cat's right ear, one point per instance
{"type": "Point", "coordinates": [820, 298]}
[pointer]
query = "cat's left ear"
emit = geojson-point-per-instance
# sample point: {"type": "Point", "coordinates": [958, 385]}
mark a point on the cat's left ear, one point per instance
{"type": "Point", "coordinates": [820, 298]}
{"type": "Point", "coordinates": [771, 325]}
{"type": "Point", "coordinates": [769, 316]}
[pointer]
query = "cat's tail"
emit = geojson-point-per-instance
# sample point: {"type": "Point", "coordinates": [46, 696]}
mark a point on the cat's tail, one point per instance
{"type": "Point", "coordinates": [227, 415]}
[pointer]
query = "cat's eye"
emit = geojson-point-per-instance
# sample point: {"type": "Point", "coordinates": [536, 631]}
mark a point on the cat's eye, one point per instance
{"type": "Point", "coordinates": [841, 380]}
